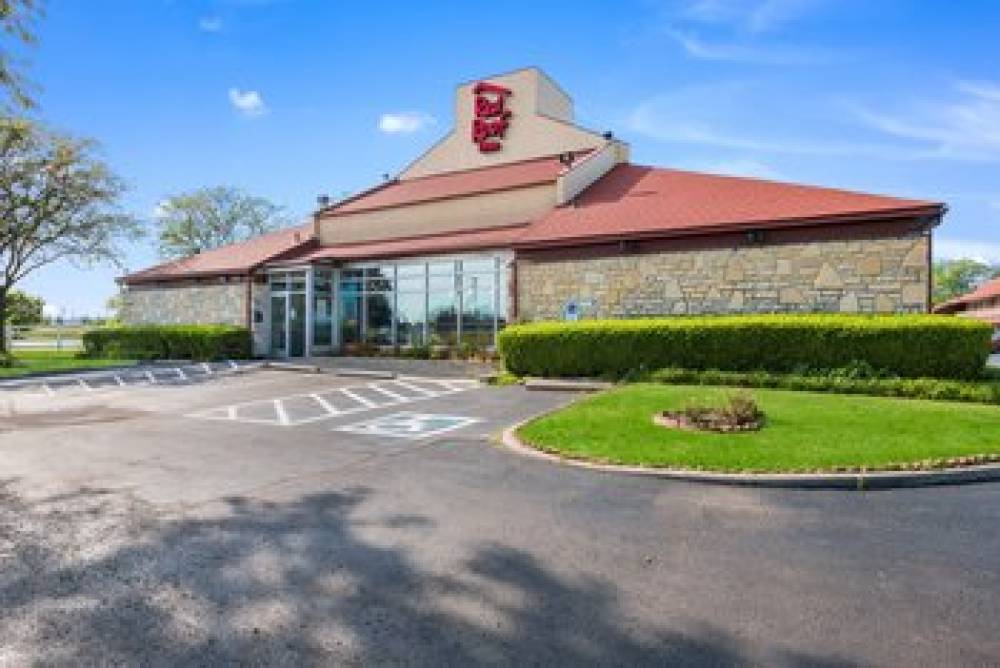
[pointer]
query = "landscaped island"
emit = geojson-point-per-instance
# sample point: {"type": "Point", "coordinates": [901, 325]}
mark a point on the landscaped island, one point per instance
{"type": "Point", "coordinates": [804, 432]}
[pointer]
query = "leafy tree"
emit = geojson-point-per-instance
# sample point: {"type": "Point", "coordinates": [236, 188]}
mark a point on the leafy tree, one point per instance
{"type": "Point", "coordinates": [208, 218]}
{"type": "Point", "coordinates": [953, 278]}
{"type": "Point", "coordinates": [17, 18]}
{"type": "Point", "coordinates": [24, 309]}
{"type": "Point", "coordinates": [57, 202]}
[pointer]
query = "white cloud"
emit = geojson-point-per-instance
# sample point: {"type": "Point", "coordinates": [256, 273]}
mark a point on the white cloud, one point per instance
{"type": "Point", "coordinates": [696, 47]}
{"type": "Point", "coordinates": [755, 16]}
{"type": "Point", "coordinates": [951, 249]}
{"type": "Point", "coordinates": [249, 102]}
{"type": "Point", "coordinates": [210, 24]}
{"type": "Point", "coordinates": [405, 122]}
{"type": "Point", "coordinates": [964, 128]}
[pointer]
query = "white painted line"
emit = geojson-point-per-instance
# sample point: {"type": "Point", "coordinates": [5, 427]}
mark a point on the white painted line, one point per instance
{"type": "Point", "coordinates": [120, 381]}
{"type": "Point", "coordinates": [151, 377]}
{"type": "Point", "coordinates": [180, 373]}
{"type": "Point", "coordinates": [359, 398]}
{"type": "Point", "coordinates": [389, 393]}
{"type": "Point", "coordinates": [327, 406]}
{"type": "Point", "coordinates": [279, 409]}
{"type": "Point", "coordinates": [421, 390]}
{"type": "Point", "coordinates": [231, 412]}
{"type": "Point", "coordinates": [206, 368]}
{"type": "Point", "coordinates": [233, 364]}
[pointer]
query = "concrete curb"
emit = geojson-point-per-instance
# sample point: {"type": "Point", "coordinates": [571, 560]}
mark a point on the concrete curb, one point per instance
{"type": "Point", "coordinates": [854, 481]}
{"type": "Point", "coordinates": [565, 385]}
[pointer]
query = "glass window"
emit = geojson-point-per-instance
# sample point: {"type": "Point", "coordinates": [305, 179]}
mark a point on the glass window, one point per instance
{"type": "Point", "coordinates": [503, 294]}
{"type": "Point", "coordinates": [350, 314]}
{"type": "Point", "coordinates": [479, 265]}
{"type": "Point", "coordinates": [411, 312]}
{"type": "Point", "coordinates": [477, 310]}
{"type": "Point", "coordinates": [442, 304]}
{"type": "Point", "coordinates": [322, 319]}
{"type": "Point", "coordinates": [378, 323]}
{"type": "Point", "coordinates": [379, 279]}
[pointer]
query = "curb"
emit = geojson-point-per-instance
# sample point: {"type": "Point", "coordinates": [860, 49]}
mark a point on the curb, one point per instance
{"type": "Point", "coordinates": [874, 480]}
{"type": "Point", "coordinates": [565, 385]}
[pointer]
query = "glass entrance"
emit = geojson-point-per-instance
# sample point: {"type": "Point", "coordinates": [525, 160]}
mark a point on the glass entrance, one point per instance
{"type": "Point", "coordinates": [279, 331]}
{"type": "Point", "coordinates": [296, 324]}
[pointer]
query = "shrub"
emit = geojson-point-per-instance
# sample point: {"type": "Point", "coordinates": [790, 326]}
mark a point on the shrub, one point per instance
{"type": "Point", "coordinates": [985, 391]}
{"type": "Point", "coordinates": [901, 345]}
{"type": "Point", "coordinates": [151, 342]}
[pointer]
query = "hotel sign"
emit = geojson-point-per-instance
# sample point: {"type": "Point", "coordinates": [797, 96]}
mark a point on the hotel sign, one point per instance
{"type": "Point", "coordinates": [490, 116]}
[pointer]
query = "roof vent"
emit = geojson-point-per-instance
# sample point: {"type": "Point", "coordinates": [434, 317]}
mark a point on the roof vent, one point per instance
{"type": "Point", "coordinates": [323, 200]}
{"type": "Point", "coordinates": [609, 135]}
{"type": "Point", "coordinates": [386, 177]}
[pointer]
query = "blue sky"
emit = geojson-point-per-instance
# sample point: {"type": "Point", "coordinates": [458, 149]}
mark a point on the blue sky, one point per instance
{"type": "Point", "coordinates": [291, 98]}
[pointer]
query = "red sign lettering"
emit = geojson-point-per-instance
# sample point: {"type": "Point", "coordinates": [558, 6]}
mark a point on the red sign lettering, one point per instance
{"type": "Point", "coordinates": [490, 116]}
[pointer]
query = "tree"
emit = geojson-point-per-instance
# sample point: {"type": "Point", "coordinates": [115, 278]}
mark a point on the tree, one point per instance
{"type": "Point", "coordinates": [17, 18]}
{"type": "Point", "coordinates": [208, 218]}
{"type": "Point", "coordinates": [953, 278]}
{"type": "Point", "coordinates": [24, 309]}
{"type": "Point", "coordinates": [57, 202]}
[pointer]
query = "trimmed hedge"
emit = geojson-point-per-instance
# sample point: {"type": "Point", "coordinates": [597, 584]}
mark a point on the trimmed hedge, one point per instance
{"type": "Point", "coordinates": [910, 346]}
{"type": "Point", "coordinates": [936, 389]}
{"type": "Point", "coordinates": [152, 342]}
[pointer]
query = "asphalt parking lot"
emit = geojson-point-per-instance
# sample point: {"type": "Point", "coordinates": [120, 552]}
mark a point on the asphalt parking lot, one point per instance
{"type": "Point", "coordinates": [279, 518]}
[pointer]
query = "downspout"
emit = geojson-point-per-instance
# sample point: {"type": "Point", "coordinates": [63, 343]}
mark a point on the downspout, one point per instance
{"type": "Point", "coordinates": [512, 292]}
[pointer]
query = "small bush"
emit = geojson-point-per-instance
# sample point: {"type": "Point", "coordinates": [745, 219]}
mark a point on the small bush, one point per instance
{"type": "Point", "coordinates": [899, 345]}
{"type": "Point", "coordinates": [152, 342]}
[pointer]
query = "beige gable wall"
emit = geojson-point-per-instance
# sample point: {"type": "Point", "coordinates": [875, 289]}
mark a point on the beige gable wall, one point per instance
{"type": "Point", "coordinates": [496, 209]}
{"type": "Point", "coordinates": [540, 125]}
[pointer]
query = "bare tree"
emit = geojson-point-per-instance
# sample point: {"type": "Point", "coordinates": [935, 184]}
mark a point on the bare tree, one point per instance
{"type": "Point", "coordinates": [17, 20]}
{"type": "Point", "coordinates": [207, 218]}
{"type": "Point", "coordinates": [57, 202]}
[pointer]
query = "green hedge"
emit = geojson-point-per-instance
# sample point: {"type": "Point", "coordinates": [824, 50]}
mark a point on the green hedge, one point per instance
{"type": "Point", "coordinates": [151, 342]}
{"type": "Point", "coordinates": [910, 346]}
{"type": "Point", "coordinates": [937, 389]}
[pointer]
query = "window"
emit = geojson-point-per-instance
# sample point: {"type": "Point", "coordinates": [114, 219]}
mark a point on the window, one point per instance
{"type": "Point", "coordinates": [442, 304]}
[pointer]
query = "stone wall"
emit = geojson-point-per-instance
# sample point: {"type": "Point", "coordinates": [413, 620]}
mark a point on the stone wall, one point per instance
{"type": "Point", "coordinates": [223, 304]}
{"type": "Point", "coordinates": [862, 275]}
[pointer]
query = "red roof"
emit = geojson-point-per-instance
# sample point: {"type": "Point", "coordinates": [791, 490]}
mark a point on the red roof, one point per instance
{"type": "Point", "coordinates": [632, 200]}
{"type": "Point", "coordinates": [236, 258]}
{"type": "Point", "coordinates": [451, 184]}
{"type": "Point", "coordinates": [498, 237]}
{"type": "Point", "coordinates": [987, 290]}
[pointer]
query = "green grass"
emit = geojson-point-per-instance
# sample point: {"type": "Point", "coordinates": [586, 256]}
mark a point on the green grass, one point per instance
{"type": "Point", "coordinates": [804, 431]}
{"type": "Point", "coordinates": [41, 361]}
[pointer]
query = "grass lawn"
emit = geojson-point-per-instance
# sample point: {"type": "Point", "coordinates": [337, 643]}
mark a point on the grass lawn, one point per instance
{"type": "Point", "coordinates": [39, 361]}
{"type": "Point", "coordinates": [804, 431]}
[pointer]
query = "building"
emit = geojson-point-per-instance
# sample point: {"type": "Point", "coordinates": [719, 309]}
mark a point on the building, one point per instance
{"type": "Point", "coordinates": [519, 214]}
{"type": "Point", "coordinates": [983, 303]}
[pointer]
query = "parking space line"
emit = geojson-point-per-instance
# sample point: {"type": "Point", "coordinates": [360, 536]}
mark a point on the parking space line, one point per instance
{"type": "Point", "coordinates": [279, 410]}
{"type": "Point", "coordinates": [327, 406]}
{"type": "Point", "coordinates": [389, 393]}
{"type": "Point", "coordinates": [357, 397]}
{"type": "Point", "coordinates": [421, 390]}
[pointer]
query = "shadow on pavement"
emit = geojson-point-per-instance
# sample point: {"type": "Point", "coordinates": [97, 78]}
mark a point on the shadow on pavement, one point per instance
{"type": "Point", "coordinates": [95, 577]}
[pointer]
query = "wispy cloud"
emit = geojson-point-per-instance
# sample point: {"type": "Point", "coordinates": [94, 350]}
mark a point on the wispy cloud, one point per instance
{"type": "Point", "coordinates": [964, 128]}
{"type": "Point", "coordinates": [210, 24]}
{"type": "Point", "coordinates": [404, 122]}
{"type": "Point", "coordinates": [756, 16]}
{"type": "Point", "coordinates": [756, 54]}
{"type": "Point", "coordinates": [983, 251]}
{"type": "Point", "coordinates": [250, 103]}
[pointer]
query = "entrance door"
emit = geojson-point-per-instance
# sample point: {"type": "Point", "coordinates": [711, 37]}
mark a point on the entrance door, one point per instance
{"type": "Point", "coordinates": [296, 324]}
{"type": "Point", "coordinates": [279, 326]}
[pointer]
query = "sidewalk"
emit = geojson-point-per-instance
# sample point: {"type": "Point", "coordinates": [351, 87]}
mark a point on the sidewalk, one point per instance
{"type": "Point", "coordinates": [405, 367]}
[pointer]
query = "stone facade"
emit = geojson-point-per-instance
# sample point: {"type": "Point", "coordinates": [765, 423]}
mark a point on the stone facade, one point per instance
{"type": "Point", "coordinates": [884, 275]}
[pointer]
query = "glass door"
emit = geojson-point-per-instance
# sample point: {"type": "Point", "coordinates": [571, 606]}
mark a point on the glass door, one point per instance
{"type": "Point", "coordinates": [279, 329]}
{"type": "Point", "coordinates": [296, 324]}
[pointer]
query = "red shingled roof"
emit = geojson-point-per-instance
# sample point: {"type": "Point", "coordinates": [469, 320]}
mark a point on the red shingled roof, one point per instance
{"type": "Point", "coordinates": [987, 290]}
{"type": "Point", "coordinates": [451, 184]}
{"type": "Point", "coordinates": [632, 200]}
{"type": "Point", "coordinates": [233, 259]}
{"type": "Point", "coordinates": [497, 237]}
